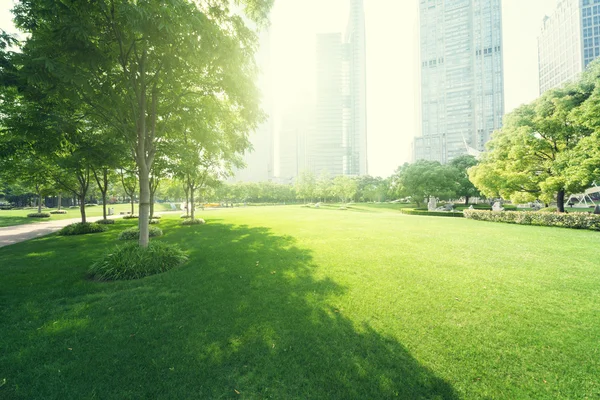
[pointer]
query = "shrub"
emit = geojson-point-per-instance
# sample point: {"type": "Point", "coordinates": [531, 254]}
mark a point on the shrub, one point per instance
{"type": "Point", "coordinates": [134, 233]}
{"type": "Point", "coordinates": [186, 216]}
{"type": "Point", "coordinates": [82, 228]}
{"type": "Point", "coordinates": [106, 221]}
{"type": "Point", "coordinates": [58, 212]}
{"type": "Point", "coordinates": [196, 221]}
{"type": "Point", "coordinates": [130, 216]}
{"type": "Point", "coordinates": [412, 211]}
{"type": "Point", "coordinates": [91, 205]}
{"type": "Point", "coordinates": [131, 261]}
{"type": "Point", "coordinates": [156, 217]}
{"type": "Point", "coordinates": [38, 215]}
{"type": "Point", "coordinates": [571, 220]}
{"type": "Point", "coordinates": [154, 221]}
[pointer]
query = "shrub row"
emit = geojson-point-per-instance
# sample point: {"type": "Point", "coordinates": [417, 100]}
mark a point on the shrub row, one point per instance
{"type": "Point", "coordinates": [58, 212]}
{"type": "Point", "coordinates": [131, 261]}
{"type": "Point", "coordinates": [412, 211]}
{"type": "Point", "coordinates": [134, 233]}
{"type": "Point", "coordinates": [196, 221]}
{"type": "Point", "coordinates": [38, 215]}
{"type": "Point", "coordinates": [82, 228]}
{"type": "Point", "coordinates": [571, 220]}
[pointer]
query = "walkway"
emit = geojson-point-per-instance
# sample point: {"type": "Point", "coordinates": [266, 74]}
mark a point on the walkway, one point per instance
{"type": "Point", "coordinates": [19, 233]}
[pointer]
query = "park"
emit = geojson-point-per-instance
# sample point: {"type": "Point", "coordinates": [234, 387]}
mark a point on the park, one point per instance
{"type": "Point", "coordinates": [134, 265]}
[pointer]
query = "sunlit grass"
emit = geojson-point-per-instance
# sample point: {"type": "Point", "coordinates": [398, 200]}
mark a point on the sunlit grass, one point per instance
{"type": "Point", "coordinates": [294, 302]}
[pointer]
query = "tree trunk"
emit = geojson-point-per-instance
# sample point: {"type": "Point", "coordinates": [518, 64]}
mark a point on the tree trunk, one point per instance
{"type": "Point", "coordinates": [132, 201]}
{"type": "Point", "coordinates": [466, 200]}
{"type": "Point", "coordinates": [151, 204]}
{"type": "Point", "coordinates": [59, 201]}
{"type": "Point", "coordinates": [560, 201]}
{"type": "Point", "coordinates": [39, 202]}
{"type": "Point", "coordinates": [192, 202]}
{"type": "Point", "coordinates": [82, 208]}
{"type": "Point", "coordinates": [144, 205]}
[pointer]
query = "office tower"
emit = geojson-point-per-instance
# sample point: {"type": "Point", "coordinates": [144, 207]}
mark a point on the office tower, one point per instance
{"type": "Point", "coordinates": [355, 109]}
{"type": "Point", "coordinates": [462, 83]}
{"type": "Point", "coordinates": [338, 144]}
{"type": "Point", "coordinates": [569, 41]}
{"type": "Point", "coordinates": [259, 162]}
{"type": "Point", "coordinates": [296, 125]}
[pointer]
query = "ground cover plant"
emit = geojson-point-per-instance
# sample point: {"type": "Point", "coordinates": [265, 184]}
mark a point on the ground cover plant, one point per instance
{"type": "Point", "coordinates": [296, 303]}
{"type": "Point", "coordinates": [82, 228]}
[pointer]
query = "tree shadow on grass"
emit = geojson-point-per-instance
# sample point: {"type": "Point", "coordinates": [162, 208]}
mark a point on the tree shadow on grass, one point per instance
{"type": "Point", "coordinates": [249, 316]}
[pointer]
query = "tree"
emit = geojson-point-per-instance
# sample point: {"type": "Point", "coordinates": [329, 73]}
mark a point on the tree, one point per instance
{"type": "Point", "coordinates": [305, 185]}
{"type": "Point", "coordinates": [344, 187]}
{"type": "Point", "coordinates": [529, 157]}
{"type": "Point", "coordinates": [423, 179]}
{"type": "Point", "coordinates": [465, 187]}
{"type": "Point", "coordinates": [323, 186]}
{"type": "Point", "coordinates": [136, 64]}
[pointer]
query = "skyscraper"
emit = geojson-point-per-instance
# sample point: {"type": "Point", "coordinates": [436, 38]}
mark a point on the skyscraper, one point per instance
{"type": "Point", "coordinates": [569, 41]}
{"type": "Point", "coordinates": [338, 144]}
{"type": "Point", "coordinates": [462, 83]}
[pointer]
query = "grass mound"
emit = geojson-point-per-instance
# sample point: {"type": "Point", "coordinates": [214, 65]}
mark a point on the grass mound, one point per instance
{"type": "Point", "coordinates": [82, 228]}
{"type": "Point", "coordinates": [134, 233]}
{"type": "Point", "coordinates": [195, 221]}
{"type": "Point", "coordinates": [38, 215]}
{"type": "Point", "coordinates": [131, 261]}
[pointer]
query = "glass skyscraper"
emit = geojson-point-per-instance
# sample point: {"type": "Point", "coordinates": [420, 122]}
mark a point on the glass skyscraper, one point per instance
{"type": "Point", "coordinates": [569, 41]}
{"type": "Point", "coordinates": [462, 82]}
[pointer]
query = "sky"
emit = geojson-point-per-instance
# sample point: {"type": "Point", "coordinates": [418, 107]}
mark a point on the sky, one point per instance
{"type": "Point", "coordinates": [392, 63]}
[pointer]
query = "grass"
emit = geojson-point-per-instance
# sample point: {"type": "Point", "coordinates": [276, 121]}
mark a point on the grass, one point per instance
{"type": "Point", "coordinates": [299, 303]}
{"type": "Point", "coordinates": [19, 217]}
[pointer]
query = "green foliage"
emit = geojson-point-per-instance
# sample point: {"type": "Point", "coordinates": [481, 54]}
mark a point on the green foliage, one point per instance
{"type": "Point", "coordinates": [306, 185]}
{"type": "Point", "coordinates": [344, 187]}
{"type": "Point", "coordinates": [58, 212]}
{"type": "Point", "coordinates": [154, 221]}
{"type": "Point", "coordinates": [131, 216]}
{"type": "Point", "coordinates": [82, 228]}
{"type": "Point", "coordinates": [133, 262]}
{"type": "Point", "coordinates": [465, 187]}
{"type": "Point", "coordinates": [38, 215]}
{"type": "Point", "coordinates": [134, 233]}
{"type": "Point", "coordinates": [423, 179]}
{"type": "Point", "coordinates": [106, 221]}
{"type": "Point", "coordinates": [195, 221]}
{"type": "Point", "coordinates": [570, 220]}
{"type": "Point", "coordinates": [412, 211]}
{"type": "Point", "coordinates": [546, 209]}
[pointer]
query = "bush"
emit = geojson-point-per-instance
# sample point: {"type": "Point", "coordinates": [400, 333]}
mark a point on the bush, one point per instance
{"type": "Point", "coordinates": [196, 221]}
{"type": "Point", "coordinates": [106, 221]}
{"type": "Point", "coordinates": [91, 205]}
{"type": "Point", "coordinates": [154, 221]}
{"type": "Point", "coordinates": [412, 211]}
{"type": "Point", "coordinates": [571, 220]}
{"type": "Point", "coordinates": [130, 216]}
{"type": "Point", "coordinates": [186, 216]}
{"type": "Point", "coordinates": [58, 212]}
{"type": "Point", "coordinates": [82, 228]}
{"type": "Point", "coordinates": [156, 217]}
{"type": "Point", "coordinates": [131, 261]}
{"type": "Point", "coordinates": [39, 215]}
{"type": "Point", "coordinates": [134, 233]}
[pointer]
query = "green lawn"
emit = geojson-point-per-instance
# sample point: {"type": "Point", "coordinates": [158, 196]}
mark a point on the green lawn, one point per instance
{"type": "Point", "coordinates": [19, 217]}
{"type": "Point", "coordinates": [303, 303]}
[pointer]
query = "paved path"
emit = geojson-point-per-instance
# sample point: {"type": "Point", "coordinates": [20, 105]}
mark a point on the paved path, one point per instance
{"type": "Point", "coordinates": [20, 233]}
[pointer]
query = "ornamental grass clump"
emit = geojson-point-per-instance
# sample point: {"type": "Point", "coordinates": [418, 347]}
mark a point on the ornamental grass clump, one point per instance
{"type": "Point", "coordinates": [134, 233]}
{"type": "Point", "coordinates": [131, 261]}
{"type": "Point", "coordinates": [130, 216]}
{"type": "Point", "coordinates": [195, 221]}
{"type": "Point", "coordinates": [38, 215]}
{"type": "Point", "coordinates": [106, 221]}
{"type": "Point", "coordinates": [82, 228]}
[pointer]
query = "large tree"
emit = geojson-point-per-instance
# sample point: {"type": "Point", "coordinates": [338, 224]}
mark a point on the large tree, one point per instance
{"type": "Point", "coordinates": [136, 64]}
{"type": "Point", "coordinates": [423, 179]}
{"type": "Point", "coordinates": [464, 186]}
{"type": "Point", "coordinates": [529, 157]}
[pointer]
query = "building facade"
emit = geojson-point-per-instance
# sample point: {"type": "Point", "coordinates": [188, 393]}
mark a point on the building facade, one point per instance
{"type": "Point", "coordinates": [338, 144]}
{"type": "Point", "coordinates": [568, 42]}
{"type": "Point", "coordinates": [461, 74]}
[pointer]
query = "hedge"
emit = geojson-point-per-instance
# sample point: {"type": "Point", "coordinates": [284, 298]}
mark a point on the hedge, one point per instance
{"type": "Point", "coordinates": [412, 211]}
{"type": "Point", "coordinates": [571, 220]}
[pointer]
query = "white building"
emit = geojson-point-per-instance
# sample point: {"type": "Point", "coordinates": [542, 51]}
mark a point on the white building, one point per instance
{"type": "Point", "coordinates": [462, 82]}
{"type": "Point", "coordinates": [569, 41]}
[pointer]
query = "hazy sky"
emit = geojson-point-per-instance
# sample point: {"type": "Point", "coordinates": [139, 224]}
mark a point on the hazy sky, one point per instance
{"type": "Point", "coordinates": [391, 62]}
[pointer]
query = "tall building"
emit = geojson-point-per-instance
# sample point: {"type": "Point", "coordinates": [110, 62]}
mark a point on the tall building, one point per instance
{"type": "Point", "coordinates": [296, 126]}
{"type": "Point", "coordinates": [462, 82]}
{"type": "Point", "coordinates": [569, 41]}
{"type": "Point", "coordinates": [259, 162]}
{"type": "Point", "coordinates": [338, 143]}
